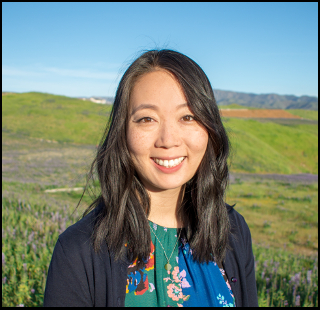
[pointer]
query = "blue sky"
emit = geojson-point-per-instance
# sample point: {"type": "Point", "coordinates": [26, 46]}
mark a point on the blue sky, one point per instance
{"type": "Point", "coordinates": [82, 49]}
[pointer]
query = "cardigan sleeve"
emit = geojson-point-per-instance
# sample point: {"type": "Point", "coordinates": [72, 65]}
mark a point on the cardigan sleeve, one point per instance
{"type": "Point", "coordinates": [239, 262]}
{"type": "Point", "coordinates": [66, 282]}
{"type": "Point", "coordinates": [250, 272]}
{"type": "Point", "coordinates": [80, 277]}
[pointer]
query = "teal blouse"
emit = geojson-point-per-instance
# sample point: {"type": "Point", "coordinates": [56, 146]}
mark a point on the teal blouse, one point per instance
{"type": "Point", "coordinates": [187, 283]}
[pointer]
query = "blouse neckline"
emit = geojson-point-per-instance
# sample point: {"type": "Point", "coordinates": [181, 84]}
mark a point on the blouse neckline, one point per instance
{"type": "Point", "coordinates": [171, 228]}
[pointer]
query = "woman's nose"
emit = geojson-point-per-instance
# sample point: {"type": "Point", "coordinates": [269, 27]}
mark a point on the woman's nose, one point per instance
{"type": "Point", "coordinates": [169, 135]}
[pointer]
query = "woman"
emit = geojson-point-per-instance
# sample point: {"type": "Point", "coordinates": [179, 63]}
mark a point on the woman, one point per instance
{"type": "Point", "coordinates": [160, 233]}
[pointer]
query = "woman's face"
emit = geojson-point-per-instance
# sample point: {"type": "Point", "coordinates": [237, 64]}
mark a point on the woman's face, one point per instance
{"type": "Point", "coordinates": [165, 142]}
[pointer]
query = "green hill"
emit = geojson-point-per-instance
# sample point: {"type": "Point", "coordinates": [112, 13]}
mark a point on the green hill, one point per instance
{"type": "Point", "coordinates": [269, 147]}
{"type": "Point", "coordinates": [306, 114]}
{"type": "Point", "coordinates": [257, 147]}
{"type": "Point", "coordinates": [235, 106]}
{"type": "Point", "coordinates": [53, 117]}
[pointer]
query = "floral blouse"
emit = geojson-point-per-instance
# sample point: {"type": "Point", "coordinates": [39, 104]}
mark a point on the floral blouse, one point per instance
{"type": "Point", "coordinates": [187, 284]}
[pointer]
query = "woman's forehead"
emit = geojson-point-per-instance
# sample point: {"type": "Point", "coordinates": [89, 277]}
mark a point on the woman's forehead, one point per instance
{"type": "Point", "coordinates": [156, 87]}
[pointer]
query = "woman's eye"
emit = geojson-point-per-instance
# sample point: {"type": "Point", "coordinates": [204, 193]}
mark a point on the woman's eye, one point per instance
{"type": "Point", "coordinates": [188, 118]}
{"type": "Point", "coordinates": [145, 120]}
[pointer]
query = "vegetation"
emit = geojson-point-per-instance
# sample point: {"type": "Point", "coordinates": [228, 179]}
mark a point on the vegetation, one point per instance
{"type": "Point", "coordinates": [285, 280]}
{"type": "Point", "coordinates": [29, 234]}
{"type": "Point", "coordinates": [269, 147]}
{"type": "Point", "coordinates": [279, 214]}
{"type": "Point", "coordinates": [52, 117]}
{"type": "Point", "coordinates": [306, 114]}
{"type": "Point", "coordinates": [235, 106]}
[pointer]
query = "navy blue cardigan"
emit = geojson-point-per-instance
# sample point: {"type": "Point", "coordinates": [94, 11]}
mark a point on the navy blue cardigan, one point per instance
{"type": "Point", "coordinates": [78, 276]}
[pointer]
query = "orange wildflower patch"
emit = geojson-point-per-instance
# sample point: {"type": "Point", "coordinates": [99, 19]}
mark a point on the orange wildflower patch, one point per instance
{"type": "Point", "coordinates": [259, 113]}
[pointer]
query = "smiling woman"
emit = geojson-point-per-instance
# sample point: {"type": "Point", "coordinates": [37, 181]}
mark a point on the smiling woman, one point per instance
{"type": "Point", "coordinates": [165, 142]}
{"type": "Point", "coordinates": [160, 233]}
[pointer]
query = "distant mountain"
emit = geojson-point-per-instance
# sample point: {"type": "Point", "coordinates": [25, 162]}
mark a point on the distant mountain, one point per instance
{"type": "Point", "coordinates": [266, 101]}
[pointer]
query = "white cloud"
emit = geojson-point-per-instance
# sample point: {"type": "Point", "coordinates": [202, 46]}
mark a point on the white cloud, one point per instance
{"type": "Point", "coordinates": [82, 73]}
{"type": "Point", "coordinates": [43, 72]}
{"type": "Point", "coordinates": [55, 80]}
{"type": "Point", "coordinates": [64, 86]}
{"type": "Point", "coordinates": [9, 71]}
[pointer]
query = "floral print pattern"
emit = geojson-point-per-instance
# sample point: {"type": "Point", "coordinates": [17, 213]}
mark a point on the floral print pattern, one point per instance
{"type": "Point", "coordinates": [186, 284]}
{"type": "Point", "coordinates": [224, 302]}
{"type": "Point", "coordinates": [137, 279]}
{"type": "Point", "coordinates": [175, 287]}
{"type": "Point", "coordinates": [174, 292]}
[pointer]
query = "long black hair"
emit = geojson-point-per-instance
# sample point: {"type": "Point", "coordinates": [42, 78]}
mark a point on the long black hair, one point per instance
{"type": "Point", "coordinates": [123, 205]}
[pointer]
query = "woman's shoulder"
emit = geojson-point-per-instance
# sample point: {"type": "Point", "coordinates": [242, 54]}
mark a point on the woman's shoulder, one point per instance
{"type": "Point", "coordinates": [237, 221]}
{"type": "Point", "coordinates": [232, 212]}
{"type": "Point", "coordinates": [79, 234]}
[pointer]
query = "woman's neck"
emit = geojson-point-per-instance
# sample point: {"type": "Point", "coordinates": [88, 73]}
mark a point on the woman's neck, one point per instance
{"type": "Point", "coordinates": [164, 206]}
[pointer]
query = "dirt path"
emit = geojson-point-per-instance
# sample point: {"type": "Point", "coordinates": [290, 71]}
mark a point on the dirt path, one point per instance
{"type": "Point", "coordinates": [304, 178]}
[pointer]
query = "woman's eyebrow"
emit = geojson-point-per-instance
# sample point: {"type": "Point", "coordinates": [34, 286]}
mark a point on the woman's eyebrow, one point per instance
{"type": "Point", "coordinates": [144, 106]}
{"type": "Point", "coordinates": [154, 107]}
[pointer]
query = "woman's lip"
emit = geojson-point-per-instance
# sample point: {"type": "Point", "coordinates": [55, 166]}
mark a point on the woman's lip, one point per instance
{"type": "Point", "coordinates": [168, 170]}
{"type": "Point", "coordinates": [169, 158]}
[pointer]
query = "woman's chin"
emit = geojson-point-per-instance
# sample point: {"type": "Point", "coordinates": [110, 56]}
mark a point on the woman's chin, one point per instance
{"type": "Point", "coordinates": [163, 186]}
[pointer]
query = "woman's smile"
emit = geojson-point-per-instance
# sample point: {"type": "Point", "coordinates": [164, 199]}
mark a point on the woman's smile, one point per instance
{"type": "Point", "coordinates": [169, 165]}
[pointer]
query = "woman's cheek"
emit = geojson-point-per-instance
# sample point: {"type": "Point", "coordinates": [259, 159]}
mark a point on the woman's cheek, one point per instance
{"type": "Point", "coordinates": [197, 140]}
{"type": "Point", "coordinates": [138, 143]}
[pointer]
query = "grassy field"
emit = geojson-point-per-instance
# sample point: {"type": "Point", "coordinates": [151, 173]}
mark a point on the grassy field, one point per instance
{"type": "Point", "coordinates": [270, 147]}
{"type": "Point", "coordinates": [279, 214]}
{"type": "Point", "coordinates": [235, 106]}
{"type": "Point", "coordinates": [49, 142]}
{"type": "Point", "coordinates": [306, 114]}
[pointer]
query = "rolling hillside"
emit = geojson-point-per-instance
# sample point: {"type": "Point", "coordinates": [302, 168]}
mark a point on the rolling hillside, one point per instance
{"type": "Point", "coordinates": [257, 146]}
{"type": "Point", "coordinates": [53, 117]}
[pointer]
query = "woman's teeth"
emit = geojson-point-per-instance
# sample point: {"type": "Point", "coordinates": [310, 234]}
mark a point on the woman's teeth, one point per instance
{"type": "Point", "coordinates": [169, 163]}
